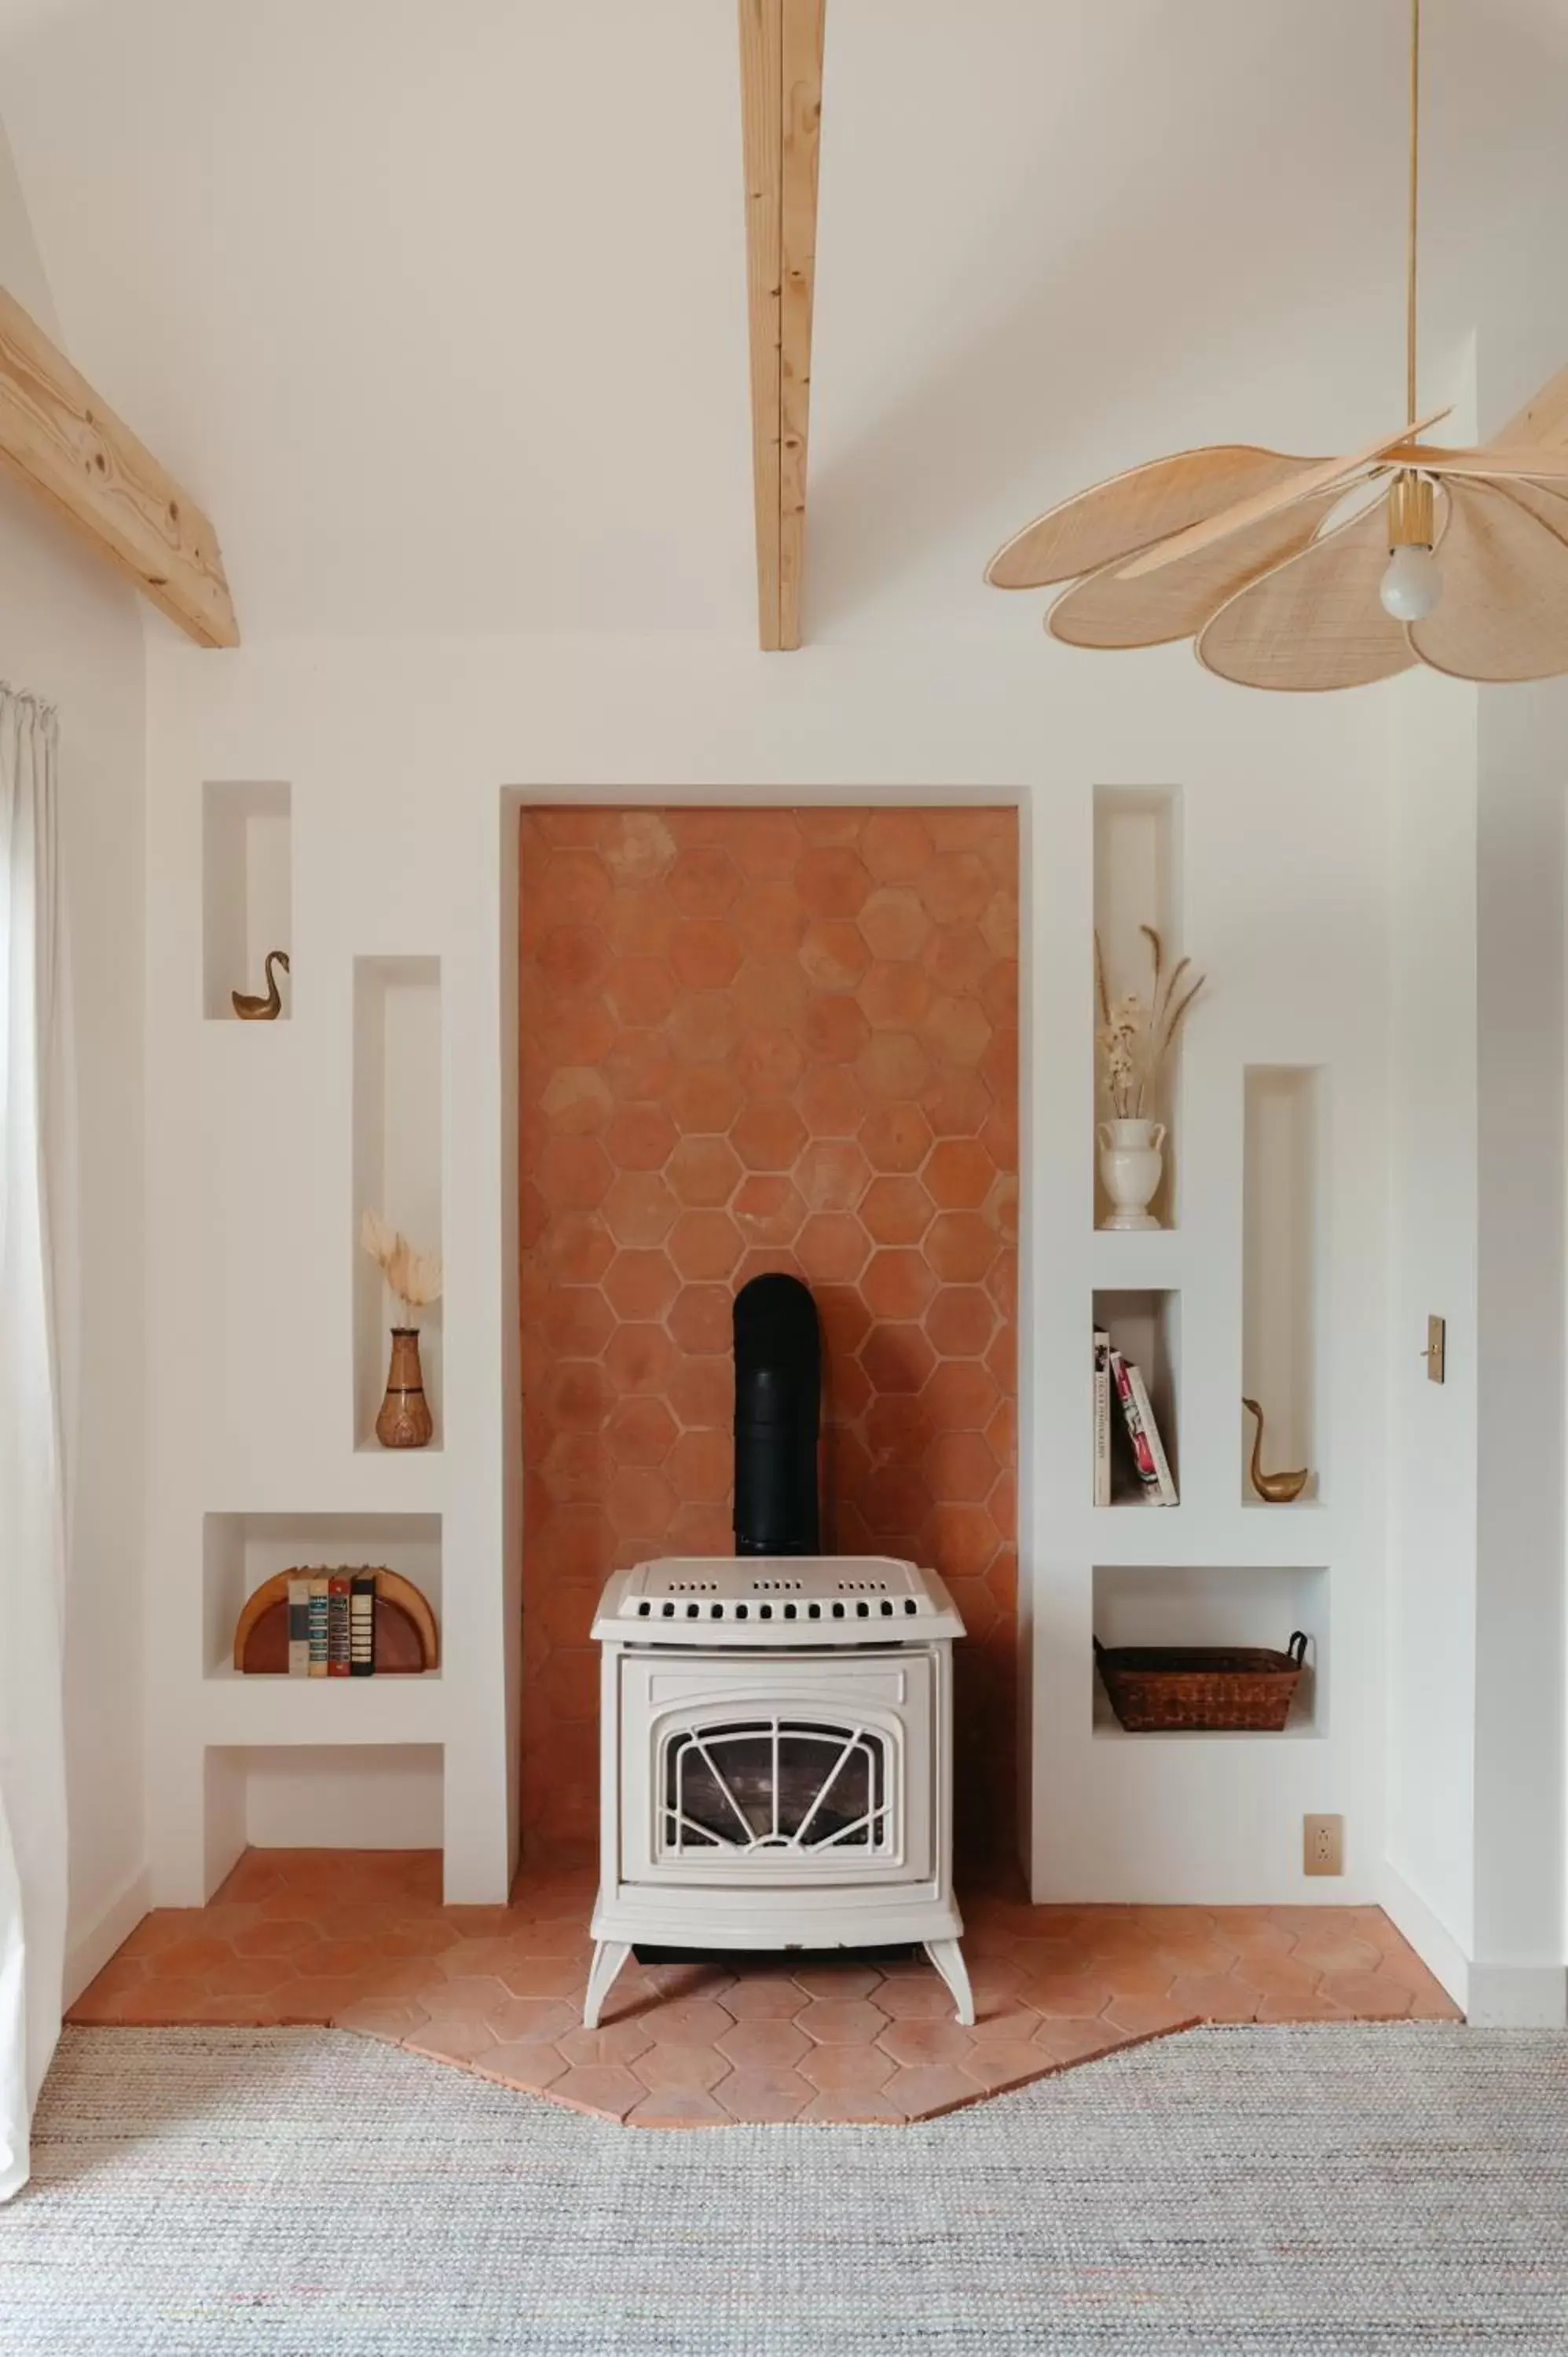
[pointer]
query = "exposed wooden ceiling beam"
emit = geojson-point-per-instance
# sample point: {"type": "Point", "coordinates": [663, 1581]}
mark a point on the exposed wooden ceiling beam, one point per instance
{"type": "Point", "coordinates": [782, 105]}
{"type": "Point", "coordinates": [57, 437]}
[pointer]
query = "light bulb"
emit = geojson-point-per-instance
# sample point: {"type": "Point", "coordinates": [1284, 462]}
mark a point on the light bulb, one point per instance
{"type": "Point", "coordinates": [1412, 585]}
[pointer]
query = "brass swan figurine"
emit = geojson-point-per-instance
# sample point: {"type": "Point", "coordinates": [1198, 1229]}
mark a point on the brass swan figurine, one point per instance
{"type": "Point", "coordinates": [267, 1009]}
{"type": "Point", "coordinates": [1275, 1489]}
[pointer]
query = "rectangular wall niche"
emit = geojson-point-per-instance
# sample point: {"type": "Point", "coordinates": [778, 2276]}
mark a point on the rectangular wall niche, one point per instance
{"type": "Point", "coordinates": [246, 893]}
{"type": "Point", "coordinates": [397, 1160]}
{"type": "Point", "coordinates": [1146, 1329]}
{"type": "Point", "coordinates": [1137, 881]}
{"type": "Point", "coordinates": [322, 1796]}
{"type": "Point", "coordinates": [1280, 1311]}
{"type": "Point", "coordinates": [1203, 1605]}
{"type": "Point", "coordinates": [240, 1551]}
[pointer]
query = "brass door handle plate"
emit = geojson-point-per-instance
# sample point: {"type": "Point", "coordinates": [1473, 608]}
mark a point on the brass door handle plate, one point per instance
{"type": "Point", "coordinates": [1435, 1352]}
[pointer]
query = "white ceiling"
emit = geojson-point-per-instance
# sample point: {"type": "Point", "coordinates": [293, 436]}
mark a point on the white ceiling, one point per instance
{"type": "Point", "coordinates": [440, 308]}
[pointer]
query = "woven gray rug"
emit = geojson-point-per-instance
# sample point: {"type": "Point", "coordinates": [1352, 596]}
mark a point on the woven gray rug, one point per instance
{"type": "Point", "coordinates": [308, 2193]}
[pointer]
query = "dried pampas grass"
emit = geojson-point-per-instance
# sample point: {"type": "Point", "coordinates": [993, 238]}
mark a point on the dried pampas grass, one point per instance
{"type": "Point", "coordinates": [1134, 1040]}
{"type": "Point", "coordinates": [413, 1277]}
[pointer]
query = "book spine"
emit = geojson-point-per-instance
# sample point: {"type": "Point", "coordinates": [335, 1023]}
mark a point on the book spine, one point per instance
{"type": "Point", "coordinates": [1146, 1417]}
{"type": "Point", "coordinates": [298, 1628]}
{"type": "Point", "coordinates": [362, 1625]}
{"type": "Point", "coordinates": [319, 1628]}
{"type": "Point", "coordinates": [338, 1593]}
{"type": "Point", "coordinates": [1101, 1418]}
{"type": "Point", "coordinates": [1143, 1455]}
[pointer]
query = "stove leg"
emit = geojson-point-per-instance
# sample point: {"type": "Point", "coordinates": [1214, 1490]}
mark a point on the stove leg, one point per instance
{"type": "Point", "coordinates": [610, 1956]}
{"type": "Point", "coordinates": [948, 1958]}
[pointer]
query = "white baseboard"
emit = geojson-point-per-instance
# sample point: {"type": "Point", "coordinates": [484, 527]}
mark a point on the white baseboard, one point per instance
{"type": "Point", "coordinates": [1490, 1996]}
{"type": "Point", "coordinates": [1434, 1943]}
{"type": "Point", "coordinates": [90, 1950]}
{"type": "Point", "coordinates": [1518, 1997]}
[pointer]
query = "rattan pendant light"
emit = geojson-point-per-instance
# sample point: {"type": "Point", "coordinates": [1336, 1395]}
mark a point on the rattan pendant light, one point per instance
{"type": "Point", "coordinates": [1284, 578]}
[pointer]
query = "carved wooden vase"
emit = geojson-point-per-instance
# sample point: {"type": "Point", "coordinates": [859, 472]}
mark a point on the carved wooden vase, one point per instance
{"type": "Point", "coordinates": [405, 1420]}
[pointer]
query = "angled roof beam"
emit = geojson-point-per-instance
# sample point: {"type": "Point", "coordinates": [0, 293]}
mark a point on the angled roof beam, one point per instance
{"type": "Point", "coordinates": [67, 445]}
{"type": "Point", "coordinates": [782, 105]}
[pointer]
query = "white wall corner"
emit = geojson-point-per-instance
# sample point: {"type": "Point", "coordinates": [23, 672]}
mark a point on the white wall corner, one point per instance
{"type": "Point", "coordinates": [1439, 1951]}
{"type": "Point", "coordinates": [1518, 1997]}
{"type": "Point", "coordinates": [90, 1950]}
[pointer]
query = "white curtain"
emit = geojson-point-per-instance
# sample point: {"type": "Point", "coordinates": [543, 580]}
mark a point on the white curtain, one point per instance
{"type": "Point", "coordinates": [33, 1050]}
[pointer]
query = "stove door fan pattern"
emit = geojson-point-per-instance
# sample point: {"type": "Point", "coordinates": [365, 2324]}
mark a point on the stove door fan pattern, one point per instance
{"type": "Point", "coordinates": [781, 1785]}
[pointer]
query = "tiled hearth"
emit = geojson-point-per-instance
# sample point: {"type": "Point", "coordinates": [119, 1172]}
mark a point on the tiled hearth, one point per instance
{"type": "Point", "coordinates": [360, 1941]}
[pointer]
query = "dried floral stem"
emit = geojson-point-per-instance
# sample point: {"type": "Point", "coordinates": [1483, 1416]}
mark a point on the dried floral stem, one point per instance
{"type": "Point", "coordinates": [413, 1278]}
{"type": "Point", "coordinates": [1135, 1041]}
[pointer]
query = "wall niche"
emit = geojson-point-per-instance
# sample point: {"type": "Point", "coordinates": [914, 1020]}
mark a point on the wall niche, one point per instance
{"type": "Point", "coordinates": [246, 893]}
{"type": "Point", "coordinates": [1137, 881]}
{"type": "Point", "coordinates": [397, 1096]}
{"type": "Point", "coordinates": [1281, 1195]}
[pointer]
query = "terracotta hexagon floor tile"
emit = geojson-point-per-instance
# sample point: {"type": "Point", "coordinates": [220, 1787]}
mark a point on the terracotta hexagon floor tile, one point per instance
{"type": "Point", "coordinates": [765, 1997]}
{"type": "Point", "coordinates": [929, 2089]}
{"type": "Point", "coordinates": [266, 1939]}
{"type": "Point", "coordinates": [454, 2037]}
{"type": "Point", "coordinates": [474, 1997]}
{"type": "Point", "coordinates": [615, 2041]}
{"type": "Point", "coordinates": [839, 1983]}
{"type": "Point", "coordinates": [668, 2064]}
{"type": "Point", "coordinates": [675, 1983]}
{"type": "Point", "coordinates": [533, 2064]}
{"type": "Point", "coordinates": [679, 2107]}
{"type": "Point", "coordinates": [764, 2045]}
{"type": "Point", "coordinates": [1068, 1997]}
{"type": "Point", "coordinates": [695, 2021]}
{"type": "Point", "coordinates": [535, 2018]}
{"type": "Point", "coordinates": [608, 2088]}
{"type": "Point", "coordinates": [841, 2021]}
{"type": "Point", "coordinates": [396, 2022]}
{"type": "Point", "coordinates": [1321, 1955]}
{"type": "Point", "coordinates": [925, 2041]}
{"type": "Point", "coordinates": [916, 1996]}
{"type": "Point", "coordinates": [1212, 1997]}
{"type": "Point", "coordinates": [763, 2095]}
{"type": "Point", "coordinates": [250, 1975]}
{"type": "Point", "coordinates": [1278, 1978]}
{"type": "Point", "coordinates": [1067, 2040]}
{"type": "Point", "coordinates": [1309, 2008]}
{"type": "Point", "coordinates": [846, 2069]}
{"type": "Point", "coordinates": [1005, 2064]}
{"type": "Point", "coordinates": [1006, 2021]}
{"type": "Point", "coordinates": [1371, 1997]}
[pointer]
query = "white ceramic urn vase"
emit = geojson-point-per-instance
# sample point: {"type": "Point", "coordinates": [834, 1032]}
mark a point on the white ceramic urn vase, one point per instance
{"type": "Point", "coordinates": [1130, 1167]}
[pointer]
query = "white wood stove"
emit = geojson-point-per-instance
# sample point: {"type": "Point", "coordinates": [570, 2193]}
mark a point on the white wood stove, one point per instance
{"type": "Point", "coordinates": [776, 1737]}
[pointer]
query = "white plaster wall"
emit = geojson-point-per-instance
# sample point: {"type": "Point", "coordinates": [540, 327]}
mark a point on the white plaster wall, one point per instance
{"type": "Point", "coordinates": [405, 761]}
{"type": "Point", "coordinates": [70, 633]}
{"type": "Point", "coordinates": [1431, 1491]}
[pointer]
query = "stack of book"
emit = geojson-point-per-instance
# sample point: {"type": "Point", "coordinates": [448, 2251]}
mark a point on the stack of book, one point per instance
{"type": "Point", "coordinates": [1117, 1380]}
{"type": "Point", "coordinates": [332, 1625]}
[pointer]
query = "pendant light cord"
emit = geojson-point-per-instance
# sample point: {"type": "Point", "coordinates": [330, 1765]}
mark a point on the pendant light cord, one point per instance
{"type": "Point", "coordinates": [1414, 201]}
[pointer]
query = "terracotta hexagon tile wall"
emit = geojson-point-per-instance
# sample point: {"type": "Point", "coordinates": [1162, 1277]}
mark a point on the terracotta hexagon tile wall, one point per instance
{"type": "Point", "coordinates": [766, 1039]}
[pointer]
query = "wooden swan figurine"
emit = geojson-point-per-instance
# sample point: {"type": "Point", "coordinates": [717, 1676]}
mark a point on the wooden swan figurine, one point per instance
{"type": "Point", "coordinates": [267, 1009]}
{"type": "Point", "coordinates": [1275, 1489]}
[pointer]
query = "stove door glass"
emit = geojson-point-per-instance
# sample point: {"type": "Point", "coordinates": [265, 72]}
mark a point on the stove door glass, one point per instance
{"type": "Point", "coordinates": [777, 1783]}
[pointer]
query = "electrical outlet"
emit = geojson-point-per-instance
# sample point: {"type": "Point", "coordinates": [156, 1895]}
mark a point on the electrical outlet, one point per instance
{"type": "Point", "coordinates": [1323, 1845]}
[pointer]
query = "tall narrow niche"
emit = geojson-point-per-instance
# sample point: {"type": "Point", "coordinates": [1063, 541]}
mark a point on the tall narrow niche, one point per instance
{"type": "Point", "coordinates": [246, 893]}
{"type": "Point", "coordinates": [1282, 1202]}
{"type": "Point", "coordinates": [397, 1161]}
{"type": "Point", "coordinates": [1137, 882]}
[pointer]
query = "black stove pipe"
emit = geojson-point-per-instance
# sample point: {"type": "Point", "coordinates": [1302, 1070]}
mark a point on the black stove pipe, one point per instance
{"type": "Point", "coordinates": [778, 1399]}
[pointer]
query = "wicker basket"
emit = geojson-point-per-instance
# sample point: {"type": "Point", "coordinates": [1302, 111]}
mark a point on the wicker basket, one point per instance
{"type": "Point", "coordinates": [1162, 1688]}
